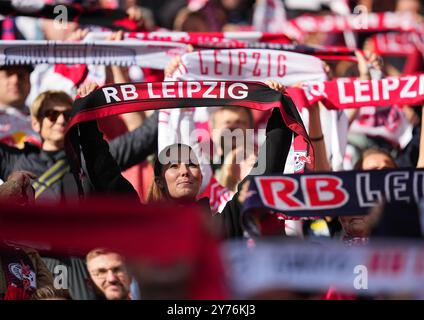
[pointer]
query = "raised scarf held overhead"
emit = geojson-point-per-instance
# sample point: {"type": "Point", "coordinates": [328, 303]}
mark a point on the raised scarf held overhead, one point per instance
{"type": "Point", "coordinates": [345, 193]}
{"type": "Point", "coordinates": [130, 97]}
{"type": "Point", "coordinates": [147, 54]}
{"type": "Point", "coordinates": [285, 67]}
{"type": "Point", "coordinates": [355, 93]}
{"type": "Point", "coordinates": [235, 40]}
{"type": "Point", "coordinates": [363, 22]}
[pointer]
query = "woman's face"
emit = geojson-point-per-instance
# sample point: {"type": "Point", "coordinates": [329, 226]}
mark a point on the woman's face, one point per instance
{"type": "Point", "coordinates": [183, 177]}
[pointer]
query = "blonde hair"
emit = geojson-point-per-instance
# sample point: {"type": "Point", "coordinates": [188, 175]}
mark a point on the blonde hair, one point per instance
{"type": "Point", "coordinates": [50, 292]}
{"type": "Point", "coordinates": [47, 98]}
{"type": "Point", "coordinates": [97, 252]}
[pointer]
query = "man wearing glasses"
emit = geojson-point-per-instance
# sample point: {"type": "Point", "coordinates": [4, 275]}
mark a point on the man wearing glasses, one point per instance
{"type": "Point", "coordinates": [109, 274]}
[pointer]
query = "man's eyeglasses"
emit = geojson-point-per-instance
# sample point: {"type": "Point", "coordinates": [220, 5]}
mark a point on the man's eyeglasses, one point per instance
{"type": "Point", "coordinates": [102, 273]}
{"type": "Point", "coordinates": [52, 115]}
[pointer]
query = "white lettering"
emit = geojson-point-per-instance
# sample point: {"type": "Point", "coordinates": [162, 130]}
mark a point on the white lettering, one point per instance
{"type": "Point", "coordinates": [150, 91]}
{"type": "Point", "coordinates": [366, 196]}
{"type": "Point", "coordinates": [242, 94]}
{"type": "Point", "coordinates": [400, 180]}
{"type": "Point", "coordinates": [192, 87]}
{"type": "Point", "coordinates": [387, 87]}
{"type": "Point", "coordinates": [129, 92]}
{"type": "Point", "coordinates": [212, 86]}
{"type": "Point", "coordinates": [168, 92]}
{"type": "Point", "coordinates": [360, 87]}
{"type": "Point", "coordinates": [405, 93]}
{"type": "Point", "coordinates": [110, 92]}
{"type": "Point", "coordinates": [342, 93]}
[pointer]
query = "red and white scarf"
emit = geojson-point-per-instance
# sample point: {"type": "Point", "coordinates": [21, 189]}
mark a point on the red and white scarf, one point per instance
{"type": "Point", "coordinates": [287, 68]}
{"type": "Point", "coordinates": [385, 21]}
{"type": "Point", "coordinates": [345, 93]}
{"type": "Point", "coordinates": [200, 39]}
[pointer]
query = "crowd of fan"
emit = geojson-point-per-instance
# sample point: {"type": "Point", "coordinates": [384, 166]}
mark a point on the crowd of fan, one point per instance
{"type": "Point", "coordinates": [36, 110]}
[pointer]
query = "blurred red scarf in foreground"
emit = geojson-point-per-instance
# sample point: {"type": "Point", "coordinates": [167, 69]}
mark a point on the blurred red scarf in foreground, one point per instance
{"type": "Point", "coordinates": [161, 236]}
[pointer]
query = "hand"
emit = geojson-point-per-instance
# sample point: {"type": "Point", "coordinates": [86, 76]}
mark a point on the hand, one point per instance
{"type": "Point", "coordinates": [172, 66]}
{"type": "Point", "coordinates": [142, 16]}
{"type": "Point", "coordinates": [119, 35]}
{"type": "Point", "coordinates": [18, 187]}
{"type": "Point", "coordinates": [410, 114]}
{"type": "Point", "coordinates": [327, 70]}
{"type": "Point", "coordinates": [366, 61]}
{"type": "Point", "coordinates": [85, 89]}
{"type": "Point", "coordinates": [276, 85]}
{"type": "Point", "coordinates": [175, 62]}
{"type": "Point", "coordinates": [115, 73]}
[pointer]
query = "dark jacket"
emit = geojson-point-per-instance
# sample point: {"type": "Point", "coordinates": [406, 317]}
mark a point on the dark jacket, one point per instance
{"type": "Point", "coordinates": [105, 174]}
{"type": "Point", "coordinates": [127, 150]}
{"type": "Point", "coordinates": [274, 154]}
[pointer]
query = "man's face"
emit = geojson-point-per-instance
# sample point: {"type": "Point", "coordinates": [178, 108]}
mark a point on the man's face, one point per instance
{"type": "Point", "coordinates": [110, 276]}
{"type": "Point", "coordinates": [51, 125]}
{"type": "Point", "coordinates": [356, 226]}
{"type": "Point", "coordinates": [229, 128]}
{"type": "Point", "coordinates": [14, 86]}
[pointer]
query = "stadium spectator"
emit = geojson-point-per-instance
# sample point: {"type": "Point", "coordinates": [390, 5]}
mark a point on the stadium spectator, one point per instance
{"type": "Point", "coordinates": [109, 274]}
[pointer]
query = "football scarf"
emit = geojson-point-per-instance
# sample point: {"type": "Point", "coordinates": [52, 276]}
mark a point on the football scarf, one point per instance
{"type": "Point", "coordinates": [385, 21]}
{"type": "Point", "coordinates": [124, 98]}
{"type": "Point", "coordinates": [235, 40]}
{"type": "Point", "coordinates": [345, 93]}
{"type": "Point", "coordinates": [334, 194]}
{"type": "Point", "coordinates": [379, 268]}
{"type": "Point", "coordinates": [288, 68]}
{"type": "Point", "coordinates": [147, 54]}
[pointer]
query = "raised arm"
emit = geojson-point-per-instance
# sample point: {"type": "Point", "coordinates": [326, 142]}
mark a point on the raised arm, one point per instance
{"type": "Point", "coordinates": [101, 168]}
{"type": "Point", "coordinates": [271, 159]}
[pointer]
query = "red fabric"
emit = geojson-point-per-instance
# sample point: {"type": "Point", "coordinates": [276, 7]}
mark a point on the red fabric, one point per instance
{"type": "Point", "coordinates": [161, 234]}
{"type": "Point", "coordinates": [76, 73]}
{"type": "Point", "coordinates": [15, 293]}
{"type": "Point", "coordinates": [333, 294]}
{"type": "Point", "coordinates": [152, 75]}
{"type": "Point", "coordinates": [354, 93]}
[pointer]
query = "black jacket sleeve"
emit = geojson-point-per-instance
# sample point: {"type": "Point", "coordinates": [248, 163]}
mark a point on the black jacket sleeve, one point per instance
{"type": "Point", "coordinates": [8, 157]}
{"type": "Point", "coordinates": [100, 166]}
{"type": "Point", "coordinates": [133, 147]}
{"type": "Point", "coordinates": [271, 159]}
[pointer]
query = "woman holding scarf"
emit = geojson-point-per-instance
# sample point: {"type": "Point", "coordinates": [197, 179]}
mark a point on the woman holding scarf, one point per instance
{"type": "Point", "coordinates": [177, 173]}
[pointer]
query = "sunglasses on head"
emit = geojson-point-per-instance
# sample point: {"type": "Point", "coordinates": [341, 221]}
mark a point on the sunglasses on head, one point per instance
{"type": "Point", "coordinates": [52, 115]}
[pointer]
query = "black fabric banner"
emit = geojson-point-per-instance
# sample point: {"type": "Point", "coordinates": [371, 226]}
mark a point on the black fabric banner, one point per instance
{"type": "Point", "coordinates": [113, 19]}
{"type": "Point", "coordinates": [334, 194]}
